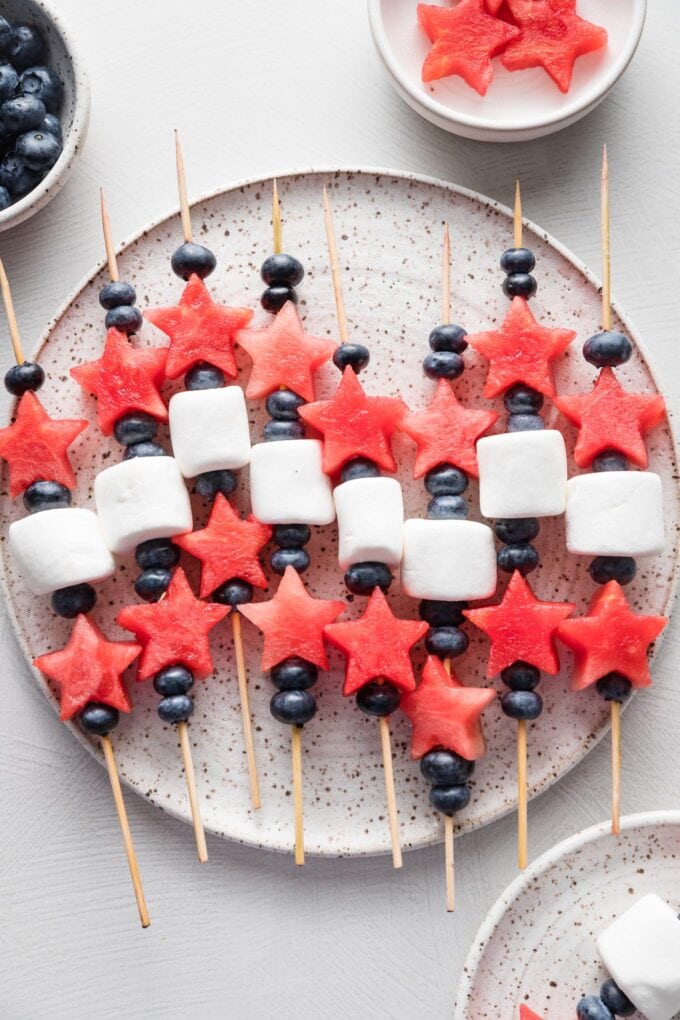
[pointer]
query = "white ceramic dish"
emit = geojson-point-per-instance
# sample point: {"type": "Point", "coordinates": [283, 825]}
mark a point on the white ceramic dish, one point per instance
{"type": "Point", "coordinates": [537, 944]}
{"type": "Point", "coordinates": [519, 105]}
{"type": "Point", "coordinates": [389, 228]}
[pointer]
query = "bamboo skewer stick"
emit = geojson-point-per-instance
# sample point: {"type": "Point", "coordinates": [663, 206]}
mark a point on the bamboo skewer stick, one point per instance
{"type": "Point", "coordinates": [335, 269]}
{"type": "Point", "coordinates": [616, 767]}
{"type": "Point", "coordinates": [184, 209]}
{"type": "Point", "coordinates": [277, 232]}
{"type": "Point", "coordinates": [296, 756]}
{"type": "Point", "coordinates": [517, 216]}
{"type": "Point", "coordinates": [446, 277]}
{"type": "Point", "coordinates": [112, 769]}
{"type": "Point", "coordinates": [242, 675]}
{"type": "Point", "coordinates": [15, 336]}
{"type": "Point", "coordinates": [199, 834]}
{"type": "Point", "coordinates": [449, 864]}
{"type": "Point", "coordinates": [108, 244]}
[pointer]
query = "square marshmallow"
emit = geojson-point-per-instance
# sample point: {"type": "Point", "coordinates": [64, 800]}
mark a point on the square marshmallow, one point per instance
{"type": "Point", "coordinates": [448, 560]}
{"type": "Point", "coordinates": [522, 474]}
{"type": "Point", "coordinates": [287, 483]}
{"type": "Point", "coordinates": [615, 513]}
{"type": "Point", "coordinates": [641, 951]}
{"type": "Point", "coordinates": [209, 430]}
{"type": "Point", "coordinates": [370, 521]}
{"type": "Point", "coordinates": [140, 499]}
{"type": "Point", "coordinates": [57, 548]}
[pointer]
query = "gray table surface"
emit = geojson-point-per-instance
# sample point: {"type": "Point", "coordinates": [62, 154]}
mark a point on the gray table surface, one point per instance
{"type": "Point", "coordinates": [249, 936]}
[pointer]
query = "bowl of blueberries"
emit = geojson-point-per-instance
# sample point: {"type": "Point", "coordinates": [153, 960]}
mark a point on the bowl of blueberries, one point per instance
{"type": "Point", "coordinates": [44, 107]}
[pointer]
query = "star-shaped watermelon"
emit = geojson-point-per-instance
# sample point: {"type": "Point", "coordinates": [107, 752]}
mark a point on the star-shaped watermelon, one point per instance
{"type": "Point", "coordinates": [552, 37]}
{"type": "Point", "coordinates": [444, 713]}
{"type": "Point", "coordinates": [377, 645]}
{"type": "Point", "coordinates": [89, 668]}
{"type": "Point", "coordinates": [521, 627]}
{"type": "Point", "coordinates": [464, 39]}
{"type": "Point", "coordinates": [174, 631]}
{"type": "Point", "coordinates": [609, 418]}
{"type": "Point", "coordinates": [610, 638]}
{"type": "Point", "coordinates": [293, 622]}
{"type": "Point", "coordinates": [355, 425]}
{"type": "Point", "coordinates": [35, 446]}
{"type": "Point", "coordinates": [528, 1014]}
{"type": "Point", "coordinates": [124, 379]}
{"type": "Point", "coordinates": [199, 330]}
{"type": "Point", "coordinates": [446, 433]}
{"type": "Point", "coordinates": [284, 355]}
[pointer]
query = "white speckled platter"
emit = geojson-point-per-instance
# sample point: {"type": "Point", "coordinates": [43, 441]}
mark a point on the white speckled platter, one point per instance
{"type": "Point", "coordinates": [389, 228]}
{"type": "Point", "coordinates": [537, 945]}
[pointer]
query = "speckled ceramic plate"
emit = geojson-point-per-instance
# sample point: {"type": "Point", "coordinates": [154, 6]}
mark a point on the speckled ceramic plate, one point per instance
{"type": "Point", "coordinates": [389, 229]}
{"type": "Point", "coordinates": [537, 945]}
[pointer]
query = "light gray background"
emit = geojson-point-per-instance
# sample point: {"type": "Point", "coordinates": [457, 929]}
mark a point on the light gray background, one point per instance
{"type": "Point", "coordinates": [259, 87]}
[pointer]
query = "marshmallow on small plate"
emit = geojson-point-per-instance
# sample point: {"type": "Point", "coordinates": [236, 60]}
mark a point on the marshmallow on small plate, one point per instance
{"type": "Point", "coordinates": [209, 430]}
{"type": "Point", "coordinates": [641, 951]}
{"type": "Point", "coordinates": [522, 474]}
{"type": "Point", "coordinates": [370, 521]}
{"type": "Point", "coordinates": [287, 483]}
{"type": "Point", "coordinates": [140, 499]}
{"type": "Point", "coordinates": [448, 560]}
{"type": "Point", "coordinates": [58, 548]}
{"type": "Point", "coordinates": [615, 513]}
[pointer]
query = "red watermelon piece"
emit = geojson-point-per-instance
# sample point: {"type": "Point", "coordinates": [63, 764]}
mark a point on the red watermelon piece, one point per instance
{"type": "Point", "coordinates": [465, 38]}
{"type": "Point", "coordinates": [528, 1014]}
{"type": "Point", "coordinates": [35, 446]}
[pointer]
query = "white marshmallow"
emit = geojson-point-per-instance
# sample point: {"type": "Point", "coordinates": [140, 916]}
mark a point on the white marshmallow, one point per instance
{"type": "Point", "coordinates": [57, 548]}
{"type": "Point", "coordinates": [641, 951]}
{"type": "Point", "coordinates": [522, 474]}
{"type": "Point", "coordinates": [287, 483]}
{"type": "Point", "coordinates": [448, 560]}
{"type": "Point", "coordinates": [209, 430]}
{"type": "Point", "coordinates": [615, 513]}
{"type": "Point", "coordinates": [370, 521]}
{"type": "Point", "coordinates": [140, 499]}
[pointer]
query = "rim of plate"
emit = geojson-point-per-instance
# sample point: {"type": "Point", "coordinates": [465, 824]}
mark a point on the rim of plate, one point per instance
{"type": "Point", "coordinates": [95, 748]}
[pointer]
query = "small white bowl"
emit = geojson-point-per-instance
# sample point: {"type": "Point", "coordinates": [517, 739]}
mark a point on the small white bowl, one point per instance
{"type": "Point", "coordinates": [64, 57]}
{"type": "Point", "coordinates": [519, 105]}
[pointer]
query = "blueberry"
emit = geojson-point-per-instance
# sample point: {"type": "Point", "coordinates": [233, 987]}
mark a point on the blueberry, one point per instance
{"type": "Point", "coordinates": [276, 430]}
{"type": "Point", "coordinates": [51, 125]}
{"type": "Point", "coordinates": [449, 799]}
{"type": "Point", "coordinates": [446, 480]}
{"type": "Point", "coordinates": [610, 460]}
{"type": "Point", "coordinates": [234, 592]}
{"type": "Point", "coordinates": [593, 1008]}
{"type": "Point", "coordinates": [8, 79]}
{"type": "Point", "coordinates": [607, 348]}
{"type": "Point", "coordinates": [282, 268]}
{"type": "Point", "coordinates": [173, 680]}
{"type": "Point", "coordinates": [525, 423]}
{"type": "Point", "coordinates": [283, 405]}
{"type": "Point", "coordinates": [40, 151]}
{"type": "Point", "coordinates": [204, 376]}
{"type": "Point", "coordinates": [443, 365]}
{"type": "Point", "coordinates": [46, 495]}
{"type": "Point", "coordinates": [157, 552]}
{"type": "Point", "coordinates": [126, 318]}
{"type": "Point", "coordinates": [615, 1000]}
{"type": "Point", "coordinates": [294, 674]}
{"type": "Point", "coordinates": [176, 708]}
{"type": "Point", "coordinates": [448, 338]}
{"type": "Point", "coordinates": [145, 449]}
{"type": "Point", "coordinates": [151, 583]}
{"type": "Point", "coordinates": [360, 467]}
{"type": "Point", "coordinates": [210, 483]}
{"type": "Point", "coordinates": [521, 399]}
{"type": "Point", "coordinates": [614, 687]}
{"type": "Point", "coordinates": [22, 113]}
{"type": "Point", "coordinates": [98, 718]}
{"type": "Point", "coordinates": [274, 298]}
{"type": "Point", "coordinates": [612, 568]}
{"type": "Point", "coordinates": [446, 768]}
{"type": "Point", "coordinates": [5, 199]}
{"type": "Point", "coordinates": [71, 602]}
{"type": "Point", "coordinates": [5, 34]}
{"type": "Point", "coordinates": [21, 378]}
{"type": "Point", "coordinates": [446, 508]}
{"type": "Point", "coordinates": [192, 259]}
{"type": "Point", "coordinates": [520, 285]}
{"type": "Point", "coordinates": [136, 427]}
{"type": "Point", "coordinates": [291, 536]}
{"type": "Point", "coordinates": [446, 642]}
{"type": "Point", "coordinates": [26, 47]}
{"type": "Point", "coordinates": [378, 698]}
{"type": "Point", "coordinates": [517, 260]}
{"type": "Point", "coordinates": [295, 708]}
{"type": "Point", "coordinates": [117, 293]}
{"type": "Point", "coordinates": [519, 529]}
{"type": "Point", "coordinates": [442, 614]}
{"type": "Point", "coordinates": [16, 177]}
{"type": "Point", "coordinates": [354, 356]}
{"type": "Point", "coordinates": [362, 578]}
{"type": "Point", "coordinates": [522, 704]}
{"type": "Point", "coordinates": [43, 83]}
{"type": "Point", "coordinates": [520, 556]}
{"type": "Point", "coordinates": [298, 559]}
{"type": "Point", "coordinates": [521, 676]}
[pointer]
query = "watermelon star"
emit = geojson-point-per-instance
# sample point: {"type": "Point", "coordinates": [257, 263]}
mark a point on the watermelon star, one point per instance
{"type": "Point", "coordinates": [35, 446]}
{"type": "Point", "coordinates": [444, 713]}
{"type": "Point", "coordinates": [199, 330]}
{"type": "Point", "coordinates": [446, 433]}
{"type": "Point", "coordinates": [354, 425]}
{"type": "Point", "coordinates": [284, 355]}
{"type": "Point", "coordinates": [520, 351]}
{"type": "Point", "coordinates": [528, 1014]}
{"type": "Point", "coordinates": [227, 547]}
{"type": "Point", "coordinates": [464, 38]}
{"type": "Point", "coordinates": [293, 622]}
{"type": "Point", "coordinates": [521, 627]}
{"type": "Point", "coordinates": [124, 379]}
{"type": "Point", "coordinates": [609, 418]}
{"type": "Point", "coordinates": [174, 630]}
{"type": "Point", "coordinates": [610, 638]}
{"type": "Point", "coordinates": [377, 646]}
{"type": "Point", "coordinates": [89, 668]}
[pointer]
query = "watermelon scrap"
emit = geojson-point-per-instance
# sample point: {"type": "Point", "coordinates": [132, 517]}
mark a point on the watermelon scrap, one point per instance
{"type": "Point", "coordinates": [528, 1014]}
{"type": "Point", "coordinates": [464, 39]}
{"type": "Point", "coordinates": [35, 446]}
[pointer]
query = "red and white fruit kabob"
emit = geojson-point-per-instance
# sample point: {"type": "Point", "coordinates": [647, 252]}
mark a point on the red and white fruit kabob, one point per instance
{"type": "Point", "coordinates": [60, 549]}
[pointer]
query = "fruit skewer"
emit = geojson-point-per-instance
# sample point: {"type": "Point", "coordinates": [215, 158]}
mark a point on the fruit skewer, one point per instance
{"type": "Point", "coordinates": [60, 549]}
